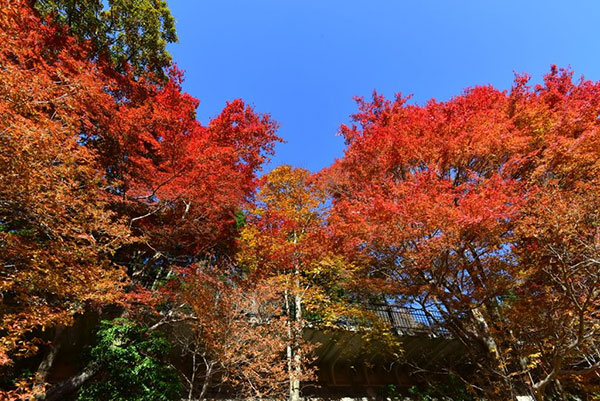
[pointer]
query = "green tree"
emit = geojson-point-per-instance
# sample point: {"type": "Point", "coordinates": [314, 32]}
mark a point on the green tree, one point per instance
{"type": "Point", "coordinates": [134, 32]}
{"type": "Point", "coordinates": [133, 367]}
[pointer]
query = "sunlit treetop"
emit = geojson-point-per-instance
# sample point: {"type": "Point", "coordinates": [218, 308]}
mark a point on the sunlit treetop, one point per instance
{"type": "Point", "coordinates": [129, 32]}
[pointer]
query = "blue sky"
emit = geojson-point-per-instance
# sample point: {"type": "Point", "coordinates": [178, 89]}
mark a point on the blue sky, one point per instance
{"type": "Point", "coordinates": [303, 61]}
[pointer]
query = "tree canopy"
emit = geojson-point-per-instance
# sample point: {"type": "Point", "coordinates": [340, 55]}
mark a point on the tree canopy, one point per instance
{"type": "Point", "coordinates": [482, 210]}
{"type": "Point", "coordinates": [129, 33]}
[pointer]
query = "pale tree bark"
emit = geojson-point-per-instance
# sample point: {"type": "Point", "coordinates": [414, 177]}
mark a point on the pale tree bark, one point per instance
{"type": "Point", "coordinates": [297, 336]}
{"type": "Point", "coordinates": [288, 347]}
{"type": "Point", "coordinates": [207, 379]}
{"type": "Point", "coordinates": [294, 334]}
{"type": "Point", "coordinates": [485, 335]}
{"type": "Point", "coordinates": [293, 347]}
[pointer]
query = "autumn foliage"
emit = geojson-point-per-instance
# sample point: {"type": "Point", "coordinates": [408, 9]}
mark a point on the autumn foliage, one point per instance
{"type": "Point", "coordinates": [57, 231]}
{"type": "Point", "coordinates": [482, 211]}
{"type": "Point", "coordinates": [106, 180]}
{"type": "Point", "coordinates": [232, 335]}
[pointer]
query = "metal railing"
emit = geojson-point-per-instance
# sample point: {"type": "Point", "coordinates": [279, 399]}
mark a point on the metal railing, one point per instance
{"type": "Point", "coordinates": [410, 321]}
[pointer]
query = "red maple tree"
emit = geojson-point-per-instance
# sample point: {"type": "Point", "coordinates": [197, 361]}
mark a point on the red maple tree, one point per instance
{"type": "Point", "coordinates": [480, 209]}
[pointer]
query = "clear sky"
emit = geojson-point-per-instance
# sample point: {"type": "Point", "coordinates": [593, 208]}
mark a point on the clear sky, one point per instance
{"type": "Point", "coordinates": [303, 61]}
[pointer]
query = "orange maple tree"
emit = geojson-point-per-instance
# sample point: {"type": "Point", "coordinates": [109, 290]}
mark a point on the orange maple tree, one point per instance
{"type": "Point", "coordinates": [286, 241]}
{"type": "Point", "coordinates": [56, 231]}
{"type": "Point", "coordinates": [280, 243]}
{"type": "Point", "coordinates": [106, 180]}
{"type": "Point", "coordinates": [231, 333]}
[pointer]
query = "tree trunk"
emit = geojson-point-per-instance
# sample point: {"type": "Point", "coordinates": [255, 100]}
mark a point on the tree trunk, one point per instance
{"type": "Point", "coordinates": [207, 378]}
{"type": "Point", "coordinates": [296, 348]}
{"type": "Point", "coordinates": [61, 390]}
{"type": "Point", "coordinates": [483, 332]}
{"type": "Point", "coordinates": [50, 356]}
{"type": "Point", "coordinates": [289, 345]}
{"type": "Point", "coordinates": [193, 378]}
